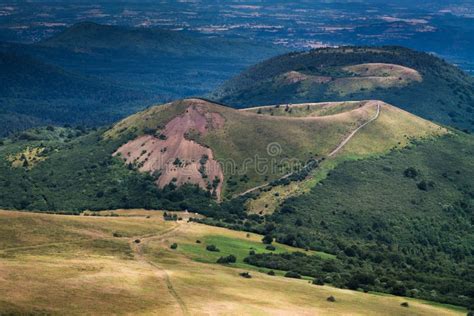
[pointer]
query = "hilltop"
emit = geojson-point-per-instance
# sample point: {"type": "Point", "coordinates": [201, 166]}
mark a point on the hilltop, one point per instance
{"type": "Point", "coordinates": [417, 82]}
{"type": "Point", "coordinates": [185, 139]}
{"type": "Point", "coordinates": [222, 150]}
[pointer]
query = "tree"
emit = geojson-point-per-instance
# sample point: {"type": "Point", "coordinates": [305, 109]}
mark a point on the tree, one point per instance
{"type": "Point", "coordinates": [318, 281]}
{"type": "Point", "coordinates": [270, 247]}
{"type": "Point", "coordinates": [212, 248]}
{"type": "Point", "coordinates": [293, 275]}
{"type": "Point", "coordinates": [227, 259]}
{"type": "Point", "coordinates": [267, 239]}
{"type": "Point", "coordinates": [245, 275]}
{"type": "Point", "coordinates": [411, 173]}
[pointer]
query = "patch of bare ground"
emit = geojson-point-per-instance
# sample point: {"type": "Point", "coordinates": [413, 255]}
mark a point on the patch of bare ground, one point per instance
{"type": "Point", "coordinates": [174, 158]}
{"type": "Point", "coordinates": [296, 77]}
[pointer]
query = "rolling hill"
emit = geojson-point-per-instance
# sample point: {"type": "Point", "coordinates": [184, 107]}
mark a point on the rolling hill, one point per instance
{"type": "Point", "coordinates": [417, 82]}
{"type": "Point", "coordinates": [208, 158]}
{"type": "Point", "coordinates": [97, 74]}
{"type": "Point", "coordinates": [222, 150]}
{"type": "Point", "coordinates": [93, 264]}
{"type": "Point", "coordinates": [89, 37]}
{"type": "Point", "coordinates": [35, 93]}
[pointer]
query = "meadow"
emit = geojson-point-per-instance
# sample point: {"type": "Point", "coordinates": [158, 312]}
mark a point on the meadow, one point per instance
{"type": "Point", "coordinates": [121, 263]}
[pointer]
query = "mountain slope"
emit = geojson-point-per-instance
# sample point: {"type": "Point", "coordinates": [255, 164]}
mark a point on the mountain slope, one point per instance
{"type": "Point", "coordinates": [405, 219]}
{"type": "Point", "coordinates": [195, 155]}
{"type": "Point", "coordinates": [417, 82]}
{"type": "Point", "coordinates": [33, 92]}
{"type": "Point", "coordinates": [247, 148]}
{"type": "Point", "coordinates": [222, 150]}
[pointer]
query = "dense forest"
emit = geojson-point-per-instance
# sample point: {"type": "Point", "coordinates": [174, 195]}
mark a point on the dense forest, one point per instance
{"type": "Point", "coordinates": [400, 224]}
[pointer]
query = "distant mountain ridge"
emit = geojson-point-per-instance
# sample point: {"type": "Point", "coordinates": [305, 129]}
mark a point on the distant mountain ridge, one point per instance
{"type": "Point", "coordinates": [88, 37]}
{"type": "Point", "coordinates": [36, 93]}
{"type": "Point", "coordinates": [96, 74]}
{"type": "Point", "coordinates": [442, 93]}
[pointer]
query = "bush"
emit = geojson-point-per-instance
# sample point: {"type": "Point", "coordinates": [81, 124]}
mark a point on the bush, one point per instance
{"type": "Point", "coordinates": [267, 239]}
{"type": "Point", "coordinates": [227, 259]}
{"type": "Point", "coordinates": [271, 272]}
{"type": "Point", "coordinates": [137, 241]}
{"type": "Point", "coordinates": [293, 275]}
{"type": "Point", "coordinates": [411, 173]}
{"type": "Point", "coordinates": [174, 246]}
{"type": "Point", "coordinates": [331, 299]}
{"type": "Point", "coordinates": [245, 275]}
{"type": "Point", "coordinates": [198, 241]}
{"type": "Point", "coordinates": [404, 304]}
{"type": "Point", "coordinates": [212, 248]}
{"type": "Point", "coordinates": [318, 281]}
{"type": "Point", "coordinates": [270, 247]}
{"type": "Point", "coordinates": [116, 234]}
{"type": "Point", "coordinates": [425, 185]}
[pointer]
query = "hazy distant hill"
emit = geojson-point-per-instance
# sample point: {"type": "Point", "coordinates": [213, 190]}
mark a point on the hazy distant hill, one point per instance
{"type": "Point", "coordinates": [170, 63]}
{"type": "Point", "coordinates": [96, 74]}
{"type": "Point", "coordinates": [34, 93]}
{"type": "Point", "coordinates": [418, 82]}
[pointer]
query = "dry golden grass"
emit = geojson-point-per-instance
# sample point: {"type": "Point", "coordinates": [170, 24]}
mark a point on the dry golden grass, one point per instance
{"type": "Point", "coordinates": [55, 264]}
{"type": "Point", "coordinates": [27, 158]}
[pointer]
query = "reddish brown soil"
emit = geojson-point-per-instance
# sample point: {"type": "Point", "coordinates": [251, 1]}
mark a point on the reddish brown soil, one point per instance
{"type": "Point", "coordinates": [156, 155]}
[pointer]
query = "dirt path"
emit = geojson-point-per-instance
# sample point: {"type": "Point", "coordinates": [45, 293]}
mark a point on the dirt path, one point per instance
{"type": "Point", "coordinates": [45, 245]}
{"type": "Point", "coordinates": [348, 138]}
{"type": "Point", "coordinates": [161, 272]}
{"type": "Point", "coordinates": [335, 151]}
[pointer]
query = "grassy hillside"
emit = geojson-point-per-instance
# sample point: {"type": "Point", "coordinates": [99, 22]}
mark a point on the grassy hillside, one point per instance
{"type": "Point", "coordinates": [417, 82]}
{"type": "Point", "coordinates": [92, 264]}
{"type": "Point", "coordinates": [252, 147]}
{"type": "Point", "coordinates": [249, 149]}
{"type": "Point", "coordinates": [404, 219]}
{"type": "Point", "coordinates": [35, 93]}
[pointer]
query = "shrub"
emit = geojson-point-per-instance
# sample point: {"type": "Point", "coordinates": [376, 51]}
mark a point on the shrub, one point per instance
{"type": "Point", "coordinates": [227, 259]}
{"type": "Point", "coordinates": [271, 272]}
{"type": "Point", "coordinates": [267, 239]}
{"type": "Point", "coordinates": [245, 275]}
{"type": "Point", "coordinates": [198, 241]}
{"type": "Point", "coordinates": [411, 173]}
{"type": "Point", "coordinates": [293, 275]}
{"type": "Point", "coordinates": [174, 246]}
{"type": "Point", "coordinates": [116, 234]}
{"type": "Point", "coordinates": [404, 304]}
{"type": "Point", "coordinates": [137, 241]}
{"type": "Point", "coordinates": [331, 299]}
{"type": "Point", "coordinates": [270, 247]}
{"type": "Point", "coordinates": [212, 248]}
{"type": "Point", "coordinates": [425, 185]}
{"type": "Point", "coordinates": [318, 281]}
{"type": "Point", "coordinates": [252, 252]}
